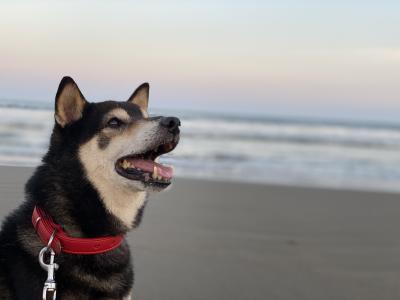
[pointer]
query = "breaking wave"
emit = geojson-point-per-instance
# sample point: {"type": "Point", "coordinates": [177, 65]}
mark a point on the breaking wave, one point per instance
{"type": "Point", "coordinates": [267, 150]}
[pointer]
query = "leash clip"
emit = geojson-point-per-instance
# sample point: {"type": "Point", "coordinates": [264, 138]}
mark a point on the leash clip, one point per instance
{"type": "Point", "coordinates": [50, 288]}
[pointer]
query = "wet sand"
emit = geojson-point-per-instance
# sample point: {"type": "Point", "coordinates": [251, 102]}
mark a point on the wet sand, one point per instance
{"type": "Point", "coordinates": [220, 240]}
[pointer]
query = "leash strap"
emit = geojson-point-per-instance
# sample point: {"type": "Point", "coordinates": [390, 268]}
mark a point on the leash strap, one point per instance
{"type": "Point", "coordinates": [45, 228]}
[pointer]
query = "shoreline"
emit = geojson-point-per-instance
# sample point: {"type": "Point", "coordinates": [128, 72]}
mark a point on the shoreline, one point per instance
{"type": "Point", "coordinates": [234, 181]}
{"type": "Point", "coordinates": [223, 240]}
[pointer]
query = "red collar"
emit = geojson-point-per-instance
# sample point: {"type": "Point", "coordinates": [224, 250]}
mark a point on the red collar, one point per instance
{"type": "Point", "coordinates": [45, 227]}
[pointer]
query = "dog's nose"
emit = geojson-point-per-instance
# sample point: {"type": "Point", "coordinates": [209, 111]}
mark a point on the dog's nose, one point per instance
{"type": "Point", "coordinates": [171, 123]}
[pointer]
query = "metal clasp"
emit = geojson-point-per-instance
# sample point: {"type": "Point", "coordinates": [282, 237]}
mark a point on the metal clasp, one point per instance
{"type": "Point", "coordinates": [49, 289]}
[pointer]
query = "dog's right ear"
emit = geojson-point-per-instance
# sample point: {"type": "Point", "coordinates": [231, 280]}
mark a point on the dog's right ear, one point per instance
{"type": "Point", "coordinates": [69, 102]}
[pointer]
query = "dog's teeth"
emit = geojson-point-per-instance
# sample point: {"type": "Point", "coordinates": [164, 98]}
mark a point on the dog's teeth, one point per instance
{"type": "Point", "coordinates": [155, 175]}
{"type": "Point", "coordinates": [146, 177]}
{"type": "Point", "coordinates": [159, 177]}
{"type": "Point", "coordinates": [125, 164]}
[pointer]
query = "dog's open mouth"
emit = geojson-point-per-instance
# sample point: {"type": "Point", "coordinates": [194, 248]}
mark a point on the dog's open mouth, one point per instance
{"type": "Point", "coordinates": [143, 167]}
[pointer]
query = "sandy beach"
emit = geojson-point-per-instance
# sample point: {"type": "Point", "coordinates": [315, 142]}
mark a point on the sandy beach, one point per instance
{"type": "Point", "coordinates": [220, 240]}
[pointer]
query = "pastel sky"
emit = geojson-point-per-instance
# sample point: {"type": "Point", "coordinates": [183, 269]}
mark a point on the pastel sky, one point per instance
{"type": "Point", "coordinates": [338, 59]}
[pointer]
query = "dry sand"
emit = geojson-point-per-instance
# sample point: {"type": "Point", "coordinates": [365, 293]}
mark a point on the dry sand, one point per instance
{"type": "Point", "coordinates": [218, 240]}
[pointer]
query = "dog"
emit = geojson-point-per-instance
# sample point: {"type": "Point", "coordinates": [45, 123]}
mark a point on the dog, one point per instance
{"type": "Point", "coordinates": [91, 188]}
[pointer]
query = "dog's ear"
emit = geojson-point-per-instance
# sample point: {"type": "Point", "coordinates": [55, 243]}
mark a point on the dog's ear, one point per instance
{"type": "Point", "coordinates": [141, 96]}
{"type": "Point", "coordinates": [69, 102]}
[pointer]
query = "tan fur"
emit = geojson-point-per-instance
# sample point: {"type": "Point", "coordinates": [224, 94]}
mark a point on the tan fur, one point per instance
{"type": "Point", "coordinates": [70, 105]}
{"type": "Point", "coordinates": [118, 113]}
{"type": "Point", "coordinates": [144, 112]}
{"type": "Point", "coordinates": [141, 97]}
{"type": "Point", "coordinates": [129, 297]}
{"type": "Point", "coordinates": [122, 197]}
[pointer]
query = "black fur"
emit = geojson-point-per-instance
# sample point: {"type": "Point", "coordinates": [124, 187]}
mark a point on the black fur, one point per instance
{"type": "Point", "coordinates": [60, 187]}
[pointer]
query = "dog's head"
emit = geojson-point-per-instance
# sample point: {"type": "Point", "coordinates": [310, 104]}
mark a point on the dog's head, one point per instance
{"type": "Point", "coordinates": [118, 140]}
{"type": "Point", "coordinates": [117, 143]}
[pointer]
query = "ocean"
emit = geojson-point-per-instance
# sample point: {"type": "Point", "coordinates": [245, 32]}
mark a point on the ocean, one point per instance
{"type": "Point", "coordinates": [270, 150]}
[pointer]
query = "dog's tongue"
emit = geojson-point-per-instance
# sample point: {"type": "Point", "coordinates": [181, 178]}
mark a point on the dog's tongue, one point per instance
{"type": "Point", "coordinates": [149, 165]}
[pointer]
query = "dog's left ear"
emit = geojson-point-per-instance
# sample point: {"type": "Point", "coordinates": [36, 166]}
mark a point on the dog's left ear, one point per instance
{"type": "Point", "coordinates": [69, 102]}
{"type": "Point", "coordinates": [140, 97]}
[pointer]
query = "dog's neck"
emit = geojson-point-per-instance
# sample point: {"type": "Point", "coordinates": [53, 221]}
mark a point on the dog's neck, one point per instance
{"type": "Point", "coordinates": [126, 205]}
{"type": "Point", "coordinates": [78, 207]}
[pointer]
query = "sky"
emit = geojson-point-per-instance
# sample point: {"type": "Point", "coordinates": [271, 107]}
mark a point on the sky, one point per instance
{"type": "Point", "coordinates": [325, 59]}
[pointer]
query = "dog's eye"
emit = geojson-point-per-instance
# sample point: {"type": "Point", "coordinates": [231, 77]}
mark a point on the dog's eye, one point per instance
{"type": "Point", "coordinates": [114, 123]}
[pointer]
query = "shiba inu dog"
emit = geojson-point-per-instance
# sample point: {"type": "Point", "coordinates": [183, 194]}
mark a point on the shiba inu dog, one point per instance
{"type": "Point", "coordinates": [89, 191]}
